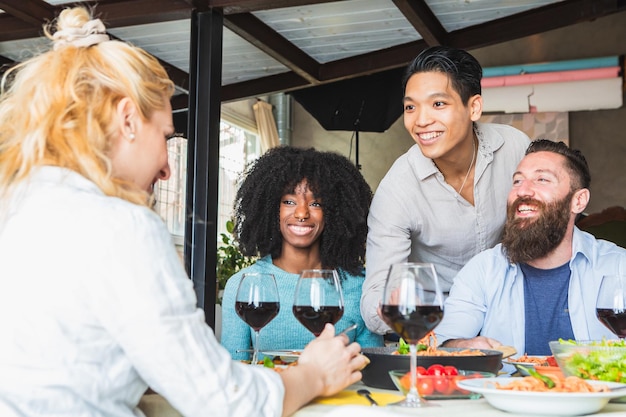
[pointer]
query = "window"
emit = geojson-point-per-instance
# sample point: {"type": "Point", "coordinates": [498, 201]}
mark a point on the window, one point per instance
{"type": "Point", "coordinates": [238, 147]}
{"type": "Point", "coordinates": [171, 194]}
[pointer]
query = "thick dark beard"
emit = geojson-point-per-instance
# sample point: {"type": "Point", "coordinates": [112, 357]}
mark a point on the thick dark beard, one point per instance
{"type": "Point", "coordinates": [527, 239]}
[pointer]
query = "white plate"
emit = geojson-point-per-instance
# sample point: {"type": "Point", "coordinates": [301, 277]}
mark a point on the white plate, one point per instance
{"type": "Point", "coordinates": [545, 403]}
{"type": "Point", "coordinates": [287, 356]}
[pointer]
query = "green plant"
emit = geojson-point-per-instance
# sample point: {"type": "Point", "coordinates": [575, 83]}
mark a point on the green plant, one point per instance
{"type": "Point", "coordinates": [229, 259]}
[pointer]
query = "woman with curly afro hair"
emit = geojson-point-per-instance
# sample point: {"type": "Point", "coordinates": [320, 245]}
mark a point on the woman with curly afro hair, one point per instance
{"type": "Point", "coordinates": [299, 209]}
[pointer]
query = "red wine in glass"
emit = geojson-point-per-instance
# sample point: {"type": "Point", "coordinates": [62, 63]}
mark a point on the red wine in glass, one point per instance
{"type": "Point", "coordinates": [257, 303]}
{"type": "Point", "coordinates": [257, 315]}
{"type": "Point", "coordinates": [614, 321]}
{"type": "Point", "coordinates": [412, 305]}
{"type": "Point", "coordinates": [318, 299]}
{"type": "Point", "coordinates": [412, 324]}
{"type": "Point", "coordinates": [611, 304]}
{"type": "Point", "coordinates": [315, 319]}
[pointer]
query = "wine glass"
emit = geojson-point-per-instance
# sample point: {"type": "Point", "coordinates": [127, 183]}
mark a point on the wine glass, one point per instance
{"type": "Point", "coordinates": [412, 306]}
{"type": "Point", "coordinates": [257, 303]}
{"type": "Point", "coordinates": [318, 299]}
{"type": "Point", "coordinates": [611, 304]}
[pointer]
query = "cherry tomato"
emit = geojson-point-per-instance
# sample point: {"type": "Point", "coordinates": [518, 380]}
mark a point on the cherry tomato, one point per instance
{"type": "Point", "coordinates": [441, 384]}
{"type": "Point", "coordinates": [451, 385]}
{"type": "Point", "coordinates": [458, 378]}
{"type": "Point", "coordinates": [405, 381]}
{"type": "Point", "coordinates": [450, 370]}
{"type": "Point", "coordinates": [421, 370]}
{"type": "Point", "coordinates": [435, 370]}
{"type": "Point", "coordinates": [406, 378]}
{"type": "Point", "coordinates": [425, 386]}
{"type": "Point", "coordinates": [551, 361]}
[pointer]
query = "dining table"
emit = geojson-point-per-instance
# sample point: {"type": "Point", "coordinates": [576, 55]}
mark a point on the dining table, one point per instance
{"type": "Point", "coordinates": [347, 404]}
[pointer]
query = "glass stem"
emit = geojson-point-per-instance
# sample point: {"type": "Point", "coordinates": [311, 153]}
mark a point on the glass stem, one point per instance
{"type": "Point", "coordinates": [413, 396]}
{"type": "Point", "coordinates": [255, 353]}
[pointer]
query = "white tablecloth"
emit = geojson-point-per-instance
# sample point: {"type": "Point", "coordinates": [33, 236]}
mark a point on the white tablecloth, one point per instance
{"type": "Point", "coordinates": [155, 406]}
{"type": "Point", "coordinates": [448, 408]}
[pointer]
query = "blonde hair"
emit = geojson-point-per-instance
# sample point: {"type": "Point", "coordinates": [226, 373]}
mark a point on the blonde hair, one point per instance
{"type": "Point", "coordinates": [58, 108]}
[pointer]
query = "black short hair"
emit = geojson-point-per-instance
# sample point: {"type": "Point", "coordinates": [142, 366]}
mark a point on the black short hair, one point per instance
{"type": "Point", "coordinates": [333, 178]}
{"type": "Point", "coordinates": [463, 70]}
{"type": "Point", "coordinates": [576, 162]}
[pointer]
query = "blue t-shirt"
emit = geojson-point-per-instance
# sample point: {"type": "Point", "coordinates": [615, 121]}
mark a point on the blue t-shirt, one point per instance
{"type": "Point", "coordinates": [546, 308]}
{"type": "Point", "coordinates": [285, 331]}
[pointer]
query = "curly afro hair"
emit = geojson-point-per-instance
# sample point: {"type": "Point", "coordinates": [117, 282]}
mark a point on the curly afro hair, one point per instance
{"type": "Point", "coordinates": [345, 196]}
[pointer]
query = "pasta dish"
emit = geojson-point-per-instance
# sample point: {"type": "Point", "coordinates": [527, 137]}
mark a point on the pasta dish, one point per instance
{"type": "Point", "coordinates": [427, 346]}
{"type": "Point", "coordinates": [562, 384]}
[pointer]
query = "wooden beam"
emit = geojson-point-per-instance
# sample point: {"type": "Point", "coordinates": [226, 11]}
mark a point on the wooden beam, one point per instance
{"type": "Point", "coordinates": [12, 28]}
{"type": "Point", "coordinates": [424, 21]}
{"type": "Point", "coordinates": [24, 19]}
{"type": "Point", "coordinates": [394, 57]}
{"type": "Point", "coordinates": [529, 23]}
{"type": "Point", "coordinates": [253, 30]}
{"type": "Point", "coordinates": [140, 12]}
{"type": "Point", "coordinates": [267, 85]}
{"type": "Point", "coordinates": [532, 22]}
{"type": "Point", "coordinates": [5, 64]}
{"type": "Point", "coordinates": [33, 12]}
{"type": "Point", "coordinates": [246, 6]}
{"type": "Point", "coordinates": [180, 102]}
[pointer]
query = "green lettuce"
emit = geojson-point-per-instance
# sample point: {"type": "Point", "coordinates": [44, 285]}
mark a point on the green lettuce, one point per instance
{"type": "Point", "coordinates": [603, 365]}
{"type": "Point", "coordinates": [404, 348]}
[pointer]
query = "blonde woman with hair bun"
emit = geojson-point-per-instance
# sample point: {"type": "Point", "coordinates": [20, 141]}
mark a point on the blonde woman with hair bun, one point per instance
{"type": "Point", "coordinates": [76, 106]}
{"type": "Point", "coordinates": [95, 305]}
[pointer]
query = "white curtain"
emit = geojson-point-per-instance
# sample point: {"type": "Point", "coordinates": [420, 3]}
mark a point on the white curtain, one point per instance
{"type": "Point", "coordinates": [266, 125]}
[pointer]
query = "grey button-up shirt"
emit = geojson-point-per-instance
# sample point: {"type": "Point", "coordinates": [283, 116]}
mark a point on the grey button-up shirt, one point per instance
{"type": "Point", "coordinates": [418, 217]}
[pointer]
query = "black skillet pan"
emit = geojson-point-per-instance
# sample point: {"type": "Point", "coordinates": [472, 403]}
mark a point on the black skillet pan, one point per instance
{"type": "Point", "coordinates": [376, 374]}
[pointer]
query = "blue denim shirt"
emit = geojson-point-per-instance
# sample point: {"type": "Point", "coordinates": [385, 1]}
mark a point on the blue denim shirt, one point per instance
{"type": "Point", "coordinates": [487, 297]}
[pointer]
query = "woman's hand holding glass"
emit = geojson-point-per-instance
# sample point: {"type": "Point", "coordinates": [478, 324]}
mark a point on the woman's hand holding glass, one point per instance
{"type": "Point", "coordinates": [335, 364]}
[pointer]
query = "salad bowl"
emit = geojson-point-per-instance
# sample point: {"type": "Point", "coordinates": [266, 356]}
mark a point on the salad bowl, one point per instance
{"type": "Point", "coordinates": [603, 360]}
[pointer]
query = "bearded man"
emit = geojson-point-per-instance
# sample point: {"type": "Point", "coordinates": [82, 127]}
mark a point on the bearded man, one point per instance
{"type": "Point", "coordinates": [540, 283]}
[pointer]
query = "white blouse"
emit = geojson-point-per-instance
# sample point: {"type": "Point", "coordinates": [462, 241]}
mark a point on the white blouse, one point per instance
{"type": "Point", "coordinates": [95, 306]}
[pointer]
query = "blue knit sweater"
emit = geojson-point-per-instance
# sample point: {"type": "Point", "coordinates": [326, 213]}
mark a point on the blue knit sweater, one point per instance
{"type": "Point", "coordinates": [285, 331]}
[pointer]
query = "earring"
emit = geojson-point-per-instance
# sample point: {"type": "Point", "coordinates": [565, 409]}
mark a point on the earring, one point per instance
{"type": "Point", "coordinates": [131, 137]}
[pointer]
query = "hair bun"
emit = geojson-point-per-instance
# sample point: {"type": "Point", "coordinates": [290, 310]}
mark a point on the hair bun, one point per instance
{"type": "Point", "coordinates": [91, 33]}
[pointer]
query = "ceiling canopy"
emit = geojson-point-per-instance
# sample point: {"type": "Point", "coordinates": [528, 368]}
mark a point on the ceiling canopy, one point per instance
{"type": "Point", "coordinates": [286, 45]}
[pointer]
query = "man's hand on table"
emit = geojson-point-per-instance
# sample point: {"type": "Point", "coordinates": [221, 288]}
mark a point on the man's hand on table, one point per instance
{"type": "Point", "coordinates": [478, 342]}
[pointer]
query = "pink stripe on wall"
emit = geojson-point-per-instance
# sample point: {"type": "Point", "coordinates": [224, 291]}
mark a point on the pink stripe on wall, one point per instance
{"type": "Point", "coordinates": [551, 77]}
